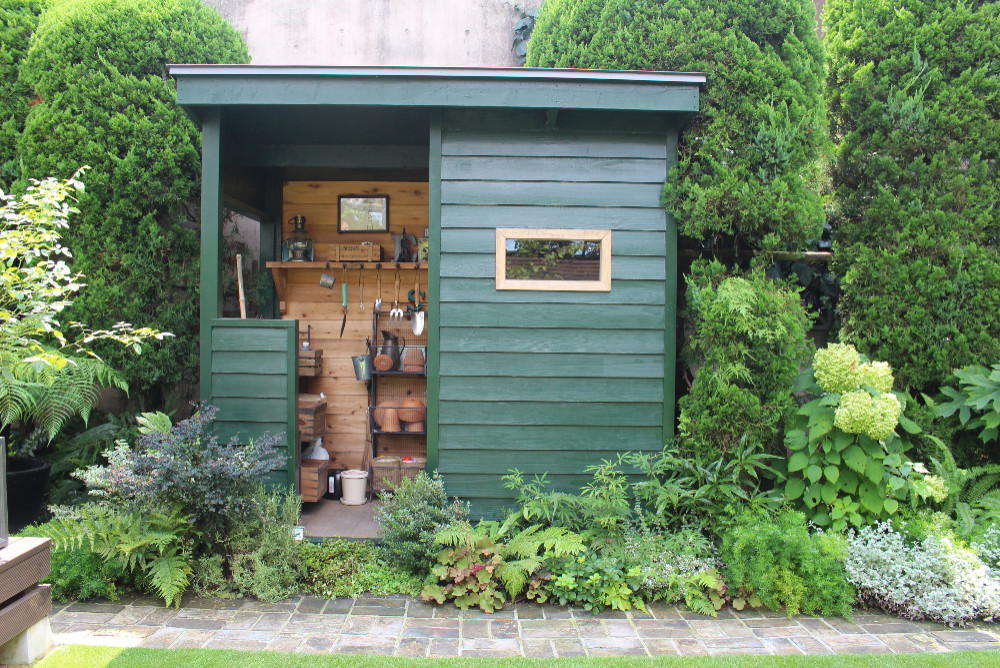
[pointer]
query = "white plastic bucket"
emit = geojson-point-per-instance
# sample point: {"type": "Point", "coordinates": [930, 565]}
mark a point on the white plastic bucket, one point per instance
{"type": "Point", "coordinates": [353, 483]}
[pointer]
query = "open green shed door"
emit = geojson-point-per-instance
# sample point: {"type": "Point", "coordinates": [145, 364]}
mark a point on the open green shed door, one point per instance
{"type": "Point", "coordinates": [254, 376]}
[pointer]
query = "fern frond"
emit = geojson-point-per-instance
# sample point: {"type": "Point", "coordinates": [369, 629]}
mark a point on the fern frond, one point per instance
{"type": "Point", "coordinates": [518, 573]}
{"type": "Point", "coordinates": [168, 574]}
{"type": "Point", "coordinates": [460, 534]}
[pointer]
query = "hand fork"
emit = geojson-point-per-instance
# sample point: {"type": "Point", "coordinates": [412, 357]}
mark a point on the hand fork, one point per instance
{"type": "Point", "coordinates": [396, 314]}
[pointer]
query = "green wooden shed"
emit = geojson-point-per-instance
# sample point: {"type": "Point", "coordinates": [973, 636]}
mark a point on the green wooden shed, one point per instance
{"type": "Point", "coordinates": [550, 278]}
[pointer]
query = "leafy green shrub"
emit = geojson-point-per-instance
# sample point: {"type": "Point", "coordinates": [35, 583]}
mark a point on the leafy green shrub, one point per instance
{"type": "Point", "coordinates": [978, 390]}
{"type": "Point", "coordinates": [775, 558]}
{"type": "Point", "coordinates": [411, 516]}
{"type": "Point", "coordinates": [598, 512]}
{"type": "Point", "coordinates": [748, 344]}
{"type": "Point", "coordinates": [263, 557]}
{"type": "Point", "coordinates": [18, 19]}
{"type": "Point", "coordinates": [988, 549]}
{"type": "Point", "coordinates": [969, 496]}
{"type": "Point", "coordinates": [911, 90]}
{"type": "Point", "coordinates": [343, 568]}
{"type": "Point", "coordinates": [748, 162]}
{"type": "Point", "coordinates": [933, 577]}
{"type": "Point", "coordinates": [50, 372]}
{"type": "Point", "coordinates": [594, 582]}
{"type": "Point", "coordinates": [847, 463]}
{"type": "Point", "coordinates": [684, 492]}
{"type": "Point", "coordinates": [478, 564]}
{"type": "Point", "coordinates": [98, 69]}
{"type": "Point", "coordinates": [184, 467]}
{"type": "Point", "coordinates": [153, 550]}
{"type": "Point", "coordinates": [77, 574]}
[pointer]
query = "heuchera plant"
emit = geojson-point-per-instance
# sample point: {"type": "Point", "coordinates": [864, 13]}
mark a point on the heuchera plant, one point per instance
{"type": "Point", "coordinates": [847, 461]}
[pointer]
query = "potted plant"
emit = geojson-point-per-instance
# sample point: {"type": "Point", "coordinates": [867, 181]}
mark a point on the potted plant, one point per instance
{"type": "Point", "coordinates": [25, 480]}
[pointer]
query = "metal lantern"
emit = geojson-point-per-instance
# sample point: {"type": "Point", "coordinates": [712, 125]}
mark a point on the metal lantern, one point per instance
{"type": "Point", "coordinates": [300, 246]}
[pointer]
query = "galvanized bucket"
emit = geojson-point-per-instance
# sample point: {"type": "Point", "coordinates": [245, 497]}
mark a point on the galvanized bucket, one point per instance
{"type": "Point", "coordinates": [3, 494]}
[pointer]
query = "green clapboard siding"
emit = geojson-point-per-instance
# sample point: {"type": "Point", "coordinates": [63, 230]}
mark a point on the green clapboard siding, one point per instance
{"type": "Point", "coordinates": [253, 383]}
{"type": "Point", "coordinates": [548, 382]}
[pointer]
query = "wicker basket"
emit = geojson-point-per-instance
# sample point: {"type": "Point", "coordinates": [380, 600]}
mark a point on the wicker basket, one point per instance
{"type": "Point", "coordinates": [412, 468]}
{"type": "Point", "coordinates": [386, 474]}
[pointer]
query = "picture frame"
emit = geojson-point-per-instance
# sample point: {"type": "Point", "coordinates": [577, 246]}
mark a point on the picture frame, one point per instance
{"type": "Point", "coordinates": [362, 213]}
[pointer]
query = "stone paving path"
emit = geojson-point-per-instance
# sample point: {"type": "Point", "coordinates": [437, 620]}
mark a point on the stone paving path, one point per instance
{"type": "Point", "coordinates": [406, 627]}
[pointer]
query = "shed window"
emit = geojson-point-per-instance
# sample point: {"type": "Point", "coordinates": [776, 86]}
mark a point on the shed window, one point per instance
{"type": "Point", "coordinates": [566, 260]}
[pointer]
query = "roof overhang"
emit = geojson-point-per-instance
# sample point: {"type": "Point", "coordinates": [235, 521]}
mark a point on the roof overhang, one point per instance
{"type": "Point", "coordinates": [200, 86]}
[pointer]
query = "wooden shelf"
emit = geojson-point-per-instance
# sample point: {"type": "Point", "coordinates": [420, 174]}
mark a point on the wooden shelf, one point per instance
{"type": "Point", "coordinates": [279, 270]}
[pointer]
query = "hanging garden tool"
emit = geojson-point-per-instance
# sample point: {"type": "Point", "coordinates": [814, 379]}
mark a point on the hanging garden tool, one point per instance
{"type": "Point", "coordinates": [396, 314]}
{"type": "Point", "coordinates": [343, 292]}
{"type": "Point", "coordinates": [416, 305]}
{"type": "Point", "coordinates": [378, 288]}
{"type": "Point", "coordinates": [361, 288]}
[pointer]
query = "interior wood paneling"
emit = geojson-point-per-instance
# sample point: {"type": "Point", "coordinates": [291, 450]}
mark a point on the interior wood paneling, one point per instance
{"type": "Point", "coordinates": [320, 311]}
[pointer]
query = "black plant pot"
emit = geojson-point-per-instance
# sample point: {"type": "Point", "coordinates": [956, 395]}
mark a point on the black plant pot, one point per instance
{"type": "Point", "coordinates": [27, 478]}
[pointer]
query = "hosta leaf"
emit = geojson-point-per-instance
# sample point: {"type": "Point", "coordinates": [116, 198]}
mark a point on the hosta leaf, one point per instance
{"type": "Point", "coordinates": [798, 461]}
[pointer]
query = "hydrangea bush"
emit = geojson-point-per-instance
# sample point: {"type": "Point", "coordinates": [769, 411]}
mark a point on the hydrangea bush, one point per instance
{"type": "Point", "coordinates": [932, 578]}
{"type": "Point", "coordinates": [847, 463]}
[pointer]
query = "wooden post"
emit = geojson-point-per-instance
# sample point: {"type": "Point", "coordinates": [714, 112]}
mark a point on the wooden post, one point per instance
{"type": "Point", "coordinates": [211, 239]}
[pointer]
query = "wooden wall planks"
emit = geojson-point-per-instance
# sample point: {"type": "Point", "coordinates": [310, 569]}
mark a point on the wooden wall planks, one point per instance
{"type": "Point", "coordinates": [320, 309]}
{"type": "Point", "coordinates": [548, 382]}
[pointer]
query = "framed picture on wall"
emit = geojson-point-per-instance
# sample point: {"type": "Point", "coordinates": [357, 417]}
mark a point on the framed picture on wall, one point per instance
{"type": "Point", "coordinates": [363, 213]}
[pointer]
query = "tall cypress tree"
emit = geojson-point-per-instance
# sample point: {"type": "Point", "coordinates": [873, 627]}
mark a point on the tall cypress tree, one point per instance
{"type": "Point", "coordinates": [914, 96]}
{"type": "Point", "coordinates": [98, 72]}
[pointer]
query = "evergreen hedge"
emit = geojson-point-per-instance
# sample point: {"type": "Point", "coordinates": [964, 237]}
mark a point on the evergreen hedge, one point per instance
{"type": "Point", "coordinates": [748, 163]}
{"type": "Point", "coordinates": [18, 19]}
{"type": "Point", "coordinates": [99, 70]}
{"type": "Point", "coordinates": [914, 95]}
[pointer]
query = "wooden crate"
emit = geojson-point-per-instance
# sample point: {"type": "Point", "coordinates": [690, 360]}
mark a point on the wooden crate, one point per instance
{"type": "Point", "coordinates": [23, 601]}
{"type": "Point", "coordinates": [313, 479]}
{"type": "Point", "coordinates": [311, 417]}
{"type": "Point", "coordinates": [354, 252]}
{"type": "Point", "coordinates": [310, 362]}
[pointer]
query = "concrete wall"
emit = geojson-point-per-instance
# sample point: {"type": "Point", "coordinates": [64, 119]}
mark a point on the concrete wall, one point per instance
{"type": "Point", "coordinates": [377, 32]}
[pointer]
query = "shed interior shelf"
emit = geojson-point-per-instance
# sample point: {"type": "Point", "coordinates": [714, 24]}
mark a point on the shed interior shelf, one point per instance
{"type": "Point", "coordinates": [279, 270]}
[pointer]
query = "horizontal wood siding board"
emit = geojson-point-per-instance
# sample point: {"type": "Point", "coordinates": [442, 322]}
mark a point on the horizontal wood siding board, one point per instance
{"type": "Point", "coordinates": [244, 339]}
{"type": "Point", "coordinates": [554, 365]}
{"type": "Point", "coordinates": [250, 386]}
{"type": "Point", "coordinates": [483, 291]}
{"type": "Point", "coordinates": [469, 265]}
{"type": "Point", "coordinates": [555, 340]}
{"type": "Point", "coordinates": [548, 390]}
{"type": "Point", "coordinates": [530, 413]}
{"type": "Point", "coordinates": [547, 437]}
{"type": "Point", "coordinates": [488, 509]}
{"type": "Point", "coordinates": [585, 169]}
{"type": "Point", "coordinates": [541, 316]}
{"type": "Point", "coordinates": [489, 485]}
{"type": "Point", "coordinates": [533, 462]}
{"type": "Point", "coordinates": [547, 145]}
{"type": "Point", "coordinates": [551, 194]}
{"type": "Point", "coordinates": [577, 217]}
{"type": "Point", "coordinates": [251, 362]}
{"type": "Point", "coordinates": [252, 410]}
{"type": "Point", "coordinates": [226, 430]}
{"type": "Point", "coordinates": [624, 243]}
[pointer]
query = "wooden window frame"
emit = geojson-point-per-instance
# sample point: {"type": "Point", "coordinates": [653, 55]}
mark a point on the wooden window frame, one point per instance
{"type": "Point", "coordinates": [602, 284]}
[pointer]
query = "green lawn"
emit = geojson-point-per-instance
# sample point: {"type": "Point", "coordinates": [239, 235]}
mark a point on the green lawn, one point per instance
{"type": "Point", "coordinates": [74, 656]}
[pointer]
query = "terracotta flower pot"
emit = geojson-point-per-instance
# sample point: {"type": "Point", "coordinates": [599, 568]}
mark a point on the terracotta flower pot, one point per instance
{"type": "Point", "coordinates": [412, 410]}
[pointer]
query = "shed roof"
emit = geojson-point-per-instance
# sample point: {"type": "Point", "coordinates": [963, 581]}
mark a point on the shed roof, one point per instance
{"type": "Point", "coordinates": [201, 86]}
